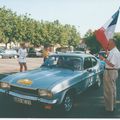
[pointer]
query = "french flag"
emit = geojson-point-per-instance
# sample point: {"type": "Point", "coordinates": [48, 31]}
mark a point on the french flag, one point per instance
{"type": "Point", "coordinates": [106, 32]}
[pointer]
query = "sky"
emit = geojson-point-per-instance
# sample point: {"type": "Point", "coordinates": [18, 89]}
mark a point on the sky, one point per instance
{"type": "Point", "coordinates": [84, 14]}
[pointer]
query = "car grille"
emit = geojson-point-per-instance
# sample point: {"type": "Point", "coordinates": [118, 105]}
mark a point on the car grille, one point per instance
{"type": "Point", "coordinates": [24, 91]}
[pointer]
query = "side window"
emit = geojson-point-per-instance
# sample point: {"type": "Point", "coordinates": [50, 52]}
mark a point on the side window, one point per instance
{"type": "Point", "coordinates": [87, 63]}
{"type": "Point", "coordinates": [94, 62]}
{"type": "Point", "coordinates": [76, 63]}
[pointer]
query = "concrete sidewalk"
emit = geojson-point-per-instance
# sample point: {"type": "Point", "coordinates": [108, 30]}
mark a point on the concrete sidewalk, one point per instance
{"type": "Point", "coordinates": [12, 65]}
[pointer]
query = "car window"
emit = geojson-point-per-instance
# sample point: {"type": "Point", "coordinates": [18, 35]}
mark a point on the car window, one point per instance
{"type": "Point", "coordinates": [87, 63]}
{"type": "Point", "coordinates": [94, 61]}
{"type": "Point", "coordinates": [1, 50]}
{"type": "Point", "coordinates": [10, 51]}
{"type": "Point", "coordinates": [69, 62]}
{"type": "Point", "coordinates": [7, 51]}
{"type": "Point", "coordinates": [77, 64]}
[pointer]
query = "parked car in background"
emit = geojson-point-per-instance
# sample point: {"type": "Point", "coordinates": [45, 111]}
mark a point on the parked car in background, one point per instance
{"type": "Point", "coordinates": [33, 53]}
{"type": "Point", "coordinates": [56, 83]}
{"type": "Point", "coordinates": [39, 53]}
{"type": "Point", "coordinates": [8, 53]}
{"type": "Point", "coordinates": [16, 48]}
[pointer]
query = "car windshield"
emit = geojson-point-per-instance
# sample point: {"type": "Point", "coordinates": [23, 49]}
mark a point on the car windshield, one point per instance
{"type": "Point", "coordinates": [66, 62]}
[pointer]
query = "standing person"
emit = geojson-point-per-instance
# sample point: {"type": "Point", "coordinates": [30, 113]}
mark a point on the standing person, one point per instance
{"type": "Point", "coordinates": [110, 76]}
{"type": "Point", "coordinates": [22, 53]}
{"type": "Point", "coordinates": [71, 48]}
{"type": "Point", "coordinates": [45, 53]}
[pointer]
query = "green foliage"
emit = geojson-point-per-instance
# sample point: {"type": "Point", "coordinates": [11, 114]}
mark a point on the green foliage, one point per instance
{"type": "Point", "coordinates": [14, 28]}
{"type": "Point", "coordinates": [117, 39]}
{"type": "Point", "coordinates": [91, 42]}
{"type": "Point", "coordinates": [94, 45]}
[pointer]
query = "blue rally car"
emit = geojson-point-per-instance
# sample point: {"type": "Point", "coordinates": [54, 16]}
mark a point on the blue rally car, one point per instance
{"type": "Point", "coordinates": [56, 83]}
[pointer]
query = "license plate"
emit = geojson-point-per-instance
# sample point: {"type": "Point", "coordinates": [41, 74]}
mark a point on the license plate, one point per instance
{"type": "Point", "coordinates": [22, 101]}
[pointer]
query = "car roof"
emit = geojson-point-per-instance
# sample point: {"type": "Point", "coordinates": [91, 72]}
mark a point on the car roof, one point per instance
{"type": "Point", "coordinates": [73, 54]}
{"type": "Point", "coordinates": [9, 50]}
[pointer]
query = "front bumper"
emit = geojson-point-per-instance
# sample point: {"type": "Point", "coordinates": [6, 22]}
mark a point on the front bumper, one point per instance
{"type": "Point", "coordinates": [33, 99]}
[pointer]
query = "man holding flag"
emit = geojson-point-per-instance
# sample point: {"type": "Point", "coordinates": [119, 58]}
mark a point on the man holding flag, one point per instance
{"type": "Point", "coordinates": [106, 32]}
{"type": "Point", "coordinates": [105, 36]}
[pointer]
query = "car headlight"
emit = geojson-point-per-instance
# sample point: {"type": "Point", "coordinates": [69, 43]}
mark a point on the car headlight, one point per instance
{"type": "Point", "coordinates": [44, 93]}
{"type": "Point", "coordinates": [4, 85]}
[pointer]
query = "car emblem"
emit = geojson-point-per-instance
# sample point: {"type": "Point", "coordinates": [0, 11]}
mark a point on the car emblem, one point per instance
{"type": "Point", "coordinates": [25, 82]}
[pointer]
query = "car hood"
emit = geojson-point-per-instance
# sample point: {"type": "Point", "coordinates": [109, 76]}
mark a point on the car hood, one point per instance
{"type": "Point", "coordinates": [40, 78]}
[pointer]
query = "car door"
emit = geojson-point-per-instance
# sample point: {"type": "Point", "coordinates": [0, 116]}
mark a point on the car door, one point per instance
{"type": "Point", "coordinates": [89, 72]}
{"type": "Point", "coordinates": [7, 53]}
{"type": "Point", "coordinates": [94, 68]}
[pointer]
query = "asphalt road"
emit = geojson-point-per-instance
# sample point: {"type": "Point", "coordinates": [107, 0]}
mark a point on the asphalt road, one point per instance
{"type": "Point", "coordinates": [89, 104]}
{"type": "Point", "coordinates": [11, 65]}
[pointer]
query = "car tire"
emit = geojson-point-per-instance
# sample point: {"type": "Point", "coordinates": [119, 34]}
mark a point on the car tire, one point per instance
{"type": "Point", "coordinates": [98, 81]}
{"type": "Point", "coordinates": [67, 104]}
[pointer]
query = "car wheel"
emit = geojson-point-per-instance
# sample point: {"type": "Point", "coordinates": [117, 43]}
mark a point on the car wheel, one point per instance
{"type": "Point", "coordinates": [15, 56]}
{"type": "Point", "coordinates": [1, 56]}
{"type": "Point", "coordinates": [98, 81]}
{"type": "Point", "coordinates": [67, 104]}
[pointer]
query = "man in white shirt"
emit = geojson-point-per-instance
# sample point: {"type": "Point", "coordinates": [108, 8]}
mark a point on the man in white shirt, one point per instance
{"type": "Point", "coordinates": [22, 53]}
{"type": "Point", "coordinates": [110, 76]}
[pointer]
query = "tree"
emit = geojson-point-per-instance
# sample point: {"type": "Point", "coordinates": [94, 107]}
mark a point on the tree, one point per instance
{"type": "Point", "coordinates": [117, 39]}
{"type": "Point", "coordinates": [91, 42]}
{"type": "Point", "coordinates": [14, 28]}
